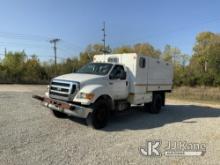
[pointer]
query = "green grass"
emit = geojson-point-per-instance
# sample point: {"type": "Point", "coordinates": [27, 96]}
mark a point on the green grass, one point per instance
{"type": "Point", "coordinates": [204, 94]}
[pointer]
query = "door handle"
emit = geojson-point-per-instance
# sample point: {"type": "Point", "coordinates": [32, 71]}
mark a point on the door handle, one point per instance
{"type": "Point", "coordinates": [126, 83]}
{"type": "Point", "coordinates": [111, 83]}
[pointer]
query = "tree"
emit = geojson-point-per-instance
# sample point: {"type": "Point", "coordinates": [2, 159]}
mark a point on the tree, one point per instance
{"type": "Point", "coordinates": [140, 48]}
{"type": "Point", "coordinates": [172, 54]}
{"type": "Point", "coordinates": [201, 69]}
{"type": "Point", "coordinates": [14, 64]}
{"type": "Point", "coordinates": [70, 65]}
{"type": "Point", "coordinates": [205, 61]}
{"type": "Point", "coordinates": [167, 53]}
{"type": "Point", "coordinates": [147, 50]}
{"type": "Point", "coordinates": [124, 49]}
{"type": "Point", "coordinates": [33, 72]}
{"type": "Point", "coordinates": [91, 50]}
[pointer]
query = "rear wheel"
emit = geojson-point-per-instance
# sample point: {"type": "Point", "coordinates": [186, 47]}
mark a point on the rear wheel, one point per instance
{"type": "Point", "coordinates": [99, 117]}
{"type": "Point", "coordinates": [155, 105]}
{"type": "Point", "coordinates": [147, 106]}
{"type": "Point", "coordinates": [58, 114]}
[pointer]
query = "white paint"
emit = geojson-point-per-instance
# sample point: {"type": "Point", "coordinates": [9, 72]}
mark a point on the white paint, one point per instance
{"type": "Point", "coordinates": [157, 75]}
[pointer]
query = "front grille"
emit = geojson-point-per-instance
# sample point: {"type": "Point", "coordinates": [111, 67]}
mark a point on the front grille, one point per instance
{"type": "Point", "coordinates": [63, 90]}
{"type": "Point", "coordinates": [59, 94]}
{"type": "Point", "coordinates": [60, 84]}
{"type": "Point", "coordinates": [59, 89]}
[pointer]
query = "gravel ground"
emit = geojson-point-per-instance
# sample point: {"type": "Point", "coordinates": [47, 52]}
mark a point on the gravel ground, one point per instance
{"type": "Point", "coordinates": [30, 134]}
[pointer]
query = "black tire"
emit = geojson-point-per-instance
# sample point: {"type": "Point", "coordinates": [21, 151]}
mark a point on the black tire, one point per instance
{"type": "Point", "coordinates": [58, 114]}
{"type": "Point", "coordinates": [147, 106]}
{"type": "Point", "coordinates": [156, 104]}
{"type": "Point", "coordinates": [99, 117]}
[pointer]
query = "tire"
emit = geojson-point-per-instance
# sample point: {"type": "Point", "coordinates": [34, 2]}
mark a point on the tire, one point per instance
{"type": "Point", "coordinates": [147, 106]}
{"type": "Point", "coordinates": [99, 117]}
{"type": "Point", "coordinates": [156, 104]}
{"type": "Point", "coordinates": [58, 114]}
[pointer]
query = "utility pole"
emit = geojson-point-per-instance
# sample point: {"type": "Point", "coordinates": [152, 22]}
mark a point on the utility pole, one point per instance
{"type": "Point", "coordinates": [54, 42]}
{"type": "Point", "coordinates": [103, 40]}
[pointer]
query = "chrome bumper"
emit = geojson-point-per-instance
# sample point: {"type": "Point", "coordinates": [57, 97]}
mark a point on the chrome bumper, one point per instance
{"type": "Point", "coordinates": [67, 108]}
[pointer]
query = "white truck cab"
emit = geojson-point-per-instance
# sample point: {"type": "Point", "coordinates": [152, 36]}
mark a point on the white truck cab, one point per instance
{"type": "Point", "coordinates": [110, 83]}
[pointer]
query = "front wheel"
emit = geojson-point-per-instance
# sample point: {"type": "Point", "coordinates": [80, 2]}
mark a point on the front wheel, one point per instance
{"type": "Point", "coordinates": [99, 117]}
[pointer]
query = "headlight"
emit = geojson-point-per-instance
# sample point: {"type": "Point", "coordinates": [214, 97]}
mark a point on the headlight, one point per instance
{"type": "Point", "coordinates": [88, 96]}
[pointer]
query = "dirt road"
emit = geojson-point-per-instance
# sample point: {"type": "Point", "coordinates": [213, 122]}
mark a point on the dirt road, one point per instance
{"type": "Point", "coordinates": [30, 134]}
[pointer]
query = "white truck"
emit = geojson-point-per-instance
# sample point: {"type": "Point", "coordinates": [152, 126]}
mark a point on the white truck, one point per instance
{"type": "Point", "coordinates": [110, 83]}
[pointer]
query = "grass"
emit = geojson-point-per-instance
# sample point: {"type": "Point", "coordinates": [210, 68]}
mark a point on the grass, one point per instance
{"type": "Point", "coordinates": [204, 94]}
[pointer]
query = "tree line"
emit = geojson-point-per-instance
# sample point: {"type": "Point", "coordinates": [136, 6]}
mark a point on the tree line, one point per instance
{"type": "Point", "coordinates": [200, 68]}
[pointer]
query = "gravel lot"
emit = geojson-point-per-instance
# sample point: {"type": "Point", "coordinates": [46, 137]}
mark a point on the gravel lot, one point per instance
{"type": "Point", "coordinates": [30, 134]}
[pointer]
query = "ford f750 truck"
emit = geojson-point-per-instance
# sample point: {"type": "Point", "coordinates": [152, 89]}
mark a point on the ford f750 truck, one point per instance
{"type": "Point", "coordinates": [110, 83]}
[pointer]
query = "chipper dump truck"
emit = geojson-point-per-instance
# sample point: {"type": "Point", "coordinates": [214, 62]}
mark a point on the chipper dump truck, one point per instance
{"type": "Point", "coordinates": [110, 83]}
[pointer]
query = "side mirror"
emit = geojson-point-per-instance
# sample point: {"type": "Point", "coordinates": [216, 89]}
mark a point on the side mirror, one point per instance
{"type": "Point", "coordinates": [111, 77]}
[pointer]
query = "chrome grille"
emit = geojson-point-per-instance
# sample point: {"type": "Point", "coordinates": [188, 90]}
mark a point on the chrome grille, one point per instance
{"type": "Point", "coordinates": [63, 90]}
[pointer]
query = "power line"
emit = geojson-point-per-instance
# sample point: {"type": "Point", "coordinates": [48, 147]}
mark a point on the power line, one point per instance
{"type": "Point", "coordinates": [71, 45]}
{"type": "Point", "coordinates": [34, 38]}
{"type": "Point", "coordinates": [23, 36]}
{"type": "Point", "coordinates": [42, 49]}
{"type": "Point", "coordinates": [69, 48]}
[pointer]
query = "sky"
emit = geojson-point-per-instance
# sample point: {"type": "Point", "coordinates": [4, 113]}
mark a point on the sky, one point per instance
{"type": "Point", "coordinates": [30, 24]}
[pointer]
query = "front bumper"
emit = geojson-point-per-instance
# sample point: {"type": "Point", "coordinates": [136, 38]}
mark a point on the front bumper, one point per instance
{"type": "Point", "coordinates": [67, 108]}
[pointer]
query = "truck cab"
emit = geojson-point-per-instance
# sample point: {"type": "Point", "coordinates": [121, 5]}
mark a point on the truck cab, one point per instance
{"type": "Point", "coordinates": [90, 82]}
{"type": "Point", "coordinates": [109, 83]}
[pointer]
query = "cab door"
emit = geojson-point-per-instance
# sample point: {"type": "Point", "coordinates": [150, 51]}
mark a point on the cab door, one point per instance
{"type": "Point", "coordinates": [118, 83]}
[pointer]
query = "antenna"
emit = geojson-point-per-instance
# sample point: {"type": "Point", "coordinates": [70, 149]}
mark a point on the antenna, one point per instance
{"type": "Point", "coordinates": [104, 36]}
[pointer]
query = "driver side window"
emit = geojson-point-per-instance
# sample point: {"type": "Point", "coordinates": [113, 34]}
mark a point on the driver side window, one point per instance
{"type": "Point", "coordinates": [118, 72]}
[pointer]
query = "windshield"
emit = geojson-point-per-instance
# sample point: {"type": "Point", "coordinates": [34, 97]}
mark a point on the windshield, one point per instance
{"type": "Point", "coordinates": [95, 68]}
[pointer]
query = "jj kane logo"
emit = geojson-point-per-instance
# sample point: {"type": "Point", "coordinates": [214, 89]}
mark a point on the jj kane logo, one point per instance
{"type": "Point", "coordinates": [172, 148]}
{"type": "Point", "coordinates": [151, 148]}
